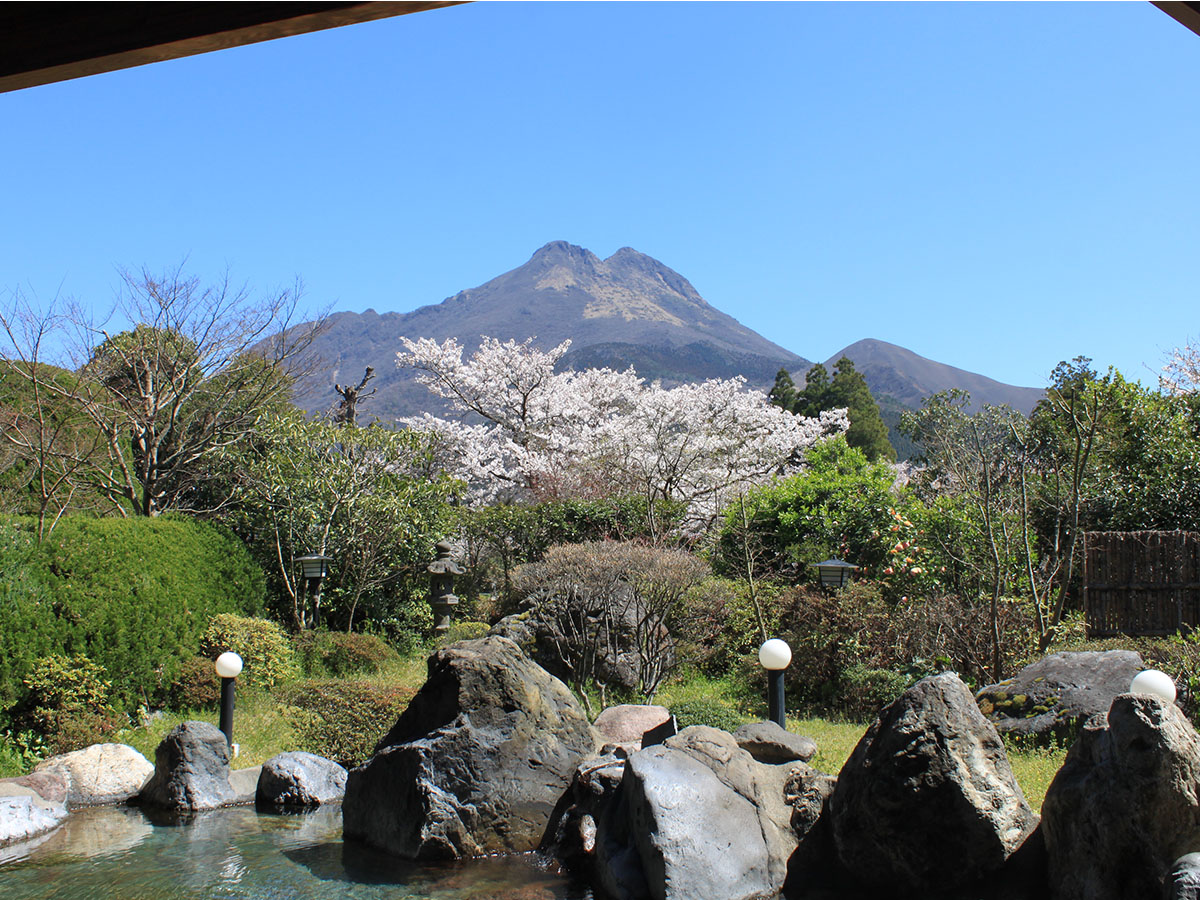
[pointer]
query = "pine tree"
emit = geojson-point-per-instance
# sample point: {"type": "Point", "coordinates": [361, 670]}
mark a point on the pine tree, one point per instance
{"type": "Point", "coordinates": [867, 429]}
{"type": "Point", "coordinates": [815, 398]}
{"type": "Point", "coordinates": [783, 394]}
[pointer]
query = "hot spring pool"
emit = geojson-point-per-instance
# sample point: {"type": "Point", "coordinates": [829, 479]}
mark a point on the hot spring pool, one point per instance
{"type": "Point", "coordinates": [118, 853]}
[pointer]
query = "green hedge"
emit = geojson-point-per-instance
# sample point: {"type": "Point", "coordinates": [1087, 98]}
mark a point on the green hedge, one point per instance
{"type": "Point", "coordinates": [133, 595]}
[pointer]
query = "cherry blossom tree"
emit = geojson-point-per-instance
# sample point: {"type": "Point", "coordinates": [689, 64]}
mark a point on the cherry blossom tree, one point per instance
{"type": "Point", "coordinates": [1181, 374]}
{"type": "Point", "coordinates": [525, 431]}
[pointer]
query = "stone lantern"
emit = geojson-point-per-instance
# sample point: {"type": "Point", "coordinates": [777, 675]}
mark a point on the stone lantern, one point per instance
{"type": "Point", "coordinates": [441, 585]}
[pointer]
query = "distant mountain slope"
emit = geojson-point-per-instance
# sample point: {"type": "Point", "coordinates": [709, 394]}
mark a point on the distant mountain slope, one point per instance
{"type": "Point", "coordinates": [626, 310]}
{"type": "Point", "coordinates": [909, 378]}
{"type": "Point", "coordinates": [900, 379]}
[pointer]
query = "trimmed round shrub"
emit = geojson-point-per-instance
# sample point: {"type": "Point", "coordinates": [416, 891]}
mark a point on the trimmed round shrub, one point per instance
{"type": "Point", "coordinates": [339, 653]}
{"type": "Point", "coordinates": [343, 721]}
{"type": "Point", "coordinates": [707, 711]}
{"type": "Point", "coordinates": [267, 655]}
{"type": "Point", "coordinates": [133, 595]}
{"type": "Point", "coordinates": [196, 686]}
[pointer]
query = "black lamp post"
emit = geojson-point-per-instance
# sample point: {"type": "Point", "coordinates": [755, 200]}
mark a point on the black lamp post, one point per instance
{"type": "Point", "coordinates": [314, 568]}
{"type": "Point", "coordinates": [441, 585]}
{"type": "Point", "coordinates": [774, 656]}
{"type": "Point", "coordinates": [228, 666]}
{"type": "Point", "coordinates": [835, 573]}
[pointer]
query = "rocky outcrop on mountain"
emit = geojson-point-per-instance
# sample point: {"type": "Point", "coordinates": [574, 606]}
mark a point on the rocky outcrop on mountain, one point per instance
{"type": "Point", "coordinates": [628, 309]}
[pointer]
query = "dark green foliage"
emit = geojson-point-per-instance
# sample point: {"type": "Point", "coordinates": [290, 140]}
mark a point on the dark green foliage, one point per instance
{"type": "Point", "coordinates": [67, 703]}
{"type": "Point", "coordinates": [500, 538]}
{"type": "Point", "coordinates": [709, 711]}
{"type": "Point", "coordinates": [865, 691]}
{"type": "Point", "coordinates": [338, 653]}
{"type": "Point", "coordinates": [196, 686]}
{"type": "Point", "coordinates": [266, 652]}
{"type": "Point", "coordinates": [343, 721]}
{"type": "Point", "coordinates": [462, 631]}
{"type": "Point", "coordinates": [134, 595]}
{"type": "Point", "coordinates": [783, 393]}
{"type": "Point", "coordinates": [839, 505]}
{"type": "Point", "coordinates": [847, 390]}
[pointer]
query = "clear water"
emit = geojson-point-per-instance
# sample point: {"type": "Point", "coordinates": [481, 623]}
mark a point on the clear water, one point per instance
{"type": "Point", "coordinates": [118, 853]}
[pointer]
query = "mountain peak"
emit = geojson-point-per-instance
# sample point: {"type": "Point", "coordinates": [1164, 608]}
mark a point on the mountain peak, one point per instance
{"type": "Point", "coordinates": [561, 252]}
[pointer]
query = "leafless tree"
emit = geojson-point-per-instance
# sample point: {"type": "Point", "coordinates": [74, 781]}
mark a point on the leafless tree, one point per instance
{"type": "Point", "coordinates": [191, 373]}
{"type": "Point", "coordinates": [346, 412]}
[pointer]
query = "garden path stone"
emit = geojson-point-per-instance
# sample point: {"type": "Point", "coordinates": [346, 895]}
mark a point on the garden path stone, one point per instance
{"type": "Point", "coordinates": [1123, 808]}
{"type": "Point", "coordinates": [1058, 693]}
{"type": "Point", "coordinates": [100, 774]}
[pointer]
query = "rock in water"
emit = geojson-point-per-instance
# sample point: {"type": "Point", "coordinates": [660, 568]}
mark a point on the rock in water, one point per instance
{"type": "Point", "coordinates": [695, 817]}
{"type": "Point", "coordinates": [476, 763]}
{"type": "Point", "coordinates": [1059, 692]}
{"type": "Point", "coordinates": [300, 780]}
{"type": "Point", "coordinates": [191, 770]}
{"type": "Point", "coordinates": [927, 801]}
{"type": "Point", "coordinates": [1123, 807]}
{"type": "Point", "coordinates": [100, 774]}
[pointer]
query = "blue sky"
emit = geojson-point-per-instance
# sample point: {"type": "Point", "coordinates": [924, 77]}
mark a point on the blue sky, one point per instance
{"type": "Point", "coordinates": [995, 186]}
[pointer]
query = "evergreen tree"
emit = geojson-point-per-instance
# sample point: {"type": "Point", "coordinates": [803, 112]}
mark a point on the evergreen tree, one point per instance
{"type": "Point", "coordinates": [816, 397]}
{"type": "Point", "coordinates": [867, 430]}
{"type": "Point", "coordinates": [783, 394]}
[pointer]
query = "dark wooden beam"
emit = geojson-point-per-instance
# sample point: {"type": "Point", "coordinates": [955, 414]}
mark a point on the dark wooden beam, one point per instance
{"type": "Point", "coordinates": [45, 42]}
{"type": "Point", "coordinates": [1186, 14]}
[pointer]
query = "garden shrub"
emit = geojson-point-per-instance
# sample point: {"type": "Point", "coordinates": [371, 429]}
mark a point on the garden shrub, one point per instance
{"type": "Point", "coordinates": [67, 703]}
{"type": "Point", "coordinates": [462, 631]}
{"type": "Point", "coordinates": [340, 653]}
{"type": "Point", "coordinates": [196, 686]}
{"type": "Point", "coordinates": [267, 655]}
{"type": "Point", "coordinates": [502, 537]}
{"type": "Point", "coordinates": [343, 721]}
{"type": "Point", "coordinates": [865, 691]}
{"type": "Point", "coordinates": [603, 612]}
{"type": "Point", "coordinates": [133, 595]}
{"type": "Point", "coordinates": [710, 711]}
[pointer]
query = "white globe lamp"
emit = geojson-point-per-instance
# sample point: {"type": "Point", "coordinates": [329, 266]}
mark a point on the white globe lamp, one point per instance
{"type": "Point", "coordinates": [774, 656]}
{"type": "Point", "coordinates": [1155, 683]}
{"type": "Point", "coordinates": [228, 666]}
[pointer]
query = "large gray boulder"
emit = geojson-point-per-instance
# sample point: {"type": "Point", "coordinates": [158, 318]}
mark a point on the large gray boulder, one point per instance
{"type": "Point", "coordinates": [191, 770]}
{"type": "Point", "coordinates": [298, 780]}
{"type": "Point", "coordinates": [1057, 694]}
{"type": "Point", "coordinates": [696, 816]}
{"type": "Point", "coordinates": [927, 801]}
{"type": "Point", "coordinates": [100, 774]}
{"type": "Point", "coordinates": [1124, 807]}
{"type": "Point", "coordinates": [476, 763]}
{"type": "Point", "coordinates": [25, 813]}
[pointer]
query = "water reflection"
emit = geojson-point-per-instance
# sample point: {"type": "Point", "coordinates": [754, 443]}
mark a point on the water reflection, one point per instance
{"type": "Point", "coordinates": [236, 854]}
